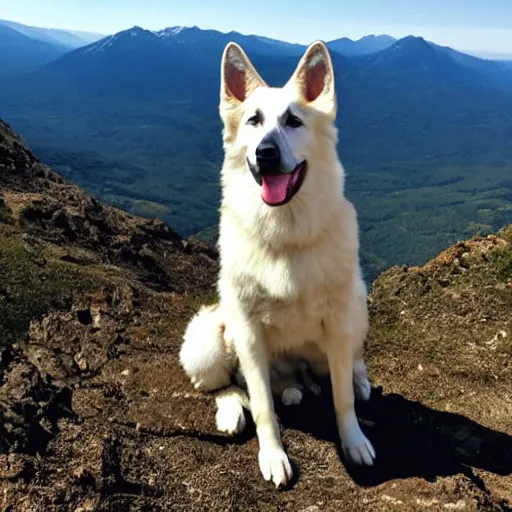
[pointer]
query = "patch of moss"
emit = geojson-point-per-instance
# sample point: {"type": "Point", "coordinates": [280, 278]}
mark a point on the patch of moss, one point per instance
{"type": "Point", "coordinates": [501, 259]}
{"type": "Point", "coordinates": [33, 282]}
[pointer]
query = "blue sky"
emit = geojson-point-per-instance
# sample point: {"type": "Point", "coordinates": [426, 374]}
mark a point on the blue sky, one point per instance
{"type": "Point", "coordinates": [481, 25]}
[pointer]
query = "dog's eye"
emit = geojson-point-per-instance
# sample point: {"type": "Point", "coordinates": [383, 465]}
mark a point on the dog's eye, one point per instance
{"type": "Point", "coordinates": [293, 121]}
{"type": "Point", "coordinates": [255, 120]}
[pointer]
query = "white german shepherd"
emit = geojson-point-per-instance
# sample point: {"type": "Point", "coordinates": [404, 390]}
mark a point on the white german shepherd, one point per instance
{"type": "Point", "coordinates": [290, 283]}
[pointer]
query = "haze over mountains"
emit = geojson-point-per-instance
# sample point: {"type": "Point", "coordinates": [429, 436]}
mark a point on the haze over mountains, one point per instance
{"type": "Point", "coordinates": [25, 48]}
{"type": "Point", "coordinates": [425, 131]}
{"type": "Point", "coordinates": [68, 38]}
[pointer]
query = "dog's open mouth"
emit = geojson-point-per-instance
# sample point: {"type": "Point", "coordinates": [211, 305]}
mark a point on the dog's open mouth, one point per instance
{"type": "Point", "coordinates": [278, 189]}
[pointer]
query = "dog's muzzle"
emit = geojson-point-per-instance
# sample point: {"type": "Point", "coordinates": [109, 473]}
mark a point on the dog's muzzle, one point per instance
{"type": "Point", "coordinates": [278, 182]}
{"type": "Point", "coordinates": [268, 161]}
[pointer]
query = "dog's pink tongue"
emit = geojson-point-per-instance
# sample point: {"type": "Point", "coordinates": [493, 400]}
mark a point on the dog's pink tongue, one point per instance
{"type": "Point", "coordinates": [274, 188]}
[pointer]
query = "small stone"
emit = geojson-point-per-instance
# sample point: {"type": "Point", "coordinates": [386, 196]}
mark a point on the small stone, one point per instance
{"type": "Point", "coordinates": [81, 362]}
{"type": "Point", "coordinates": [460, 505]}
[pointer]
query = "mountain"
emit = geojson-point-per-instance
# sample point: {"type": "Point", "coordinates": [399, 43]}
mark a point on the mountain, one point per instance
{"type": "Point", "coordinates": [166, 63]}
{"type": "Point", "coordinates": [364, 46]}
{"type": "Point", "coordinates": [96, 413]}
{"type": "Point", "coordinates": [21, 54]}
{"type": "Point", "coordinates": [429, 61]}
{"type": "Point", "coordinates": [133, 62]}
{"type": "Point", "coordinates": [425, 138]}
{"type": "Point", "coordinates": [423, 60]}
{"type": "Point", "coordinates": [252, 43]}
{"type": "Point", "coordinates": [68, 38]}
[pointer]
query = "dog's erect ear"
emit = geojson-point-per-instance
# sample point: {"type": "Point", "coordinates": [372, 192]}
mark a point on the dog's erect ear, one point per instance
{"type": "Point", "coordinates": [314, 79]}
{"type": "Point", "coordinates": [239, 78]}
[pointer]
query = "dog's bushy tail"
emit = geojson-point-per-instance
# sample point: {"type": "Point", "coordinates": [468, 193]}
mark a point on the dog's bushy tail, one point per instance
{"type": "Point", "coordinates": [203, 354]}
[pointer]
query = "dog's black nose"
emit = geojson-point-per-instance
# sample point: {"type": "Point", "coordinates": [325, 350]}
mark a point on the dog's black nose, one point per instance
{"type": "Point", "coordinates": [268, 154]}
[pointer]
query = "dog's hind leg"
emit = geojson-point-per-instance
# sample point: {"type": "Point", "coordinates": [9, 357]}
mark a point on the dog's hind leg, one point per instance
{"type": "Point", "coordinates": [310, 384]}
{"type": "Point", "coordinates": [204, 355]}
{"type": "Point", "coordinates": [362, 385]}
{"type": "Point", "coordinates": [230, 417]}
{"type": "Point", "coordinates": [206, 360]}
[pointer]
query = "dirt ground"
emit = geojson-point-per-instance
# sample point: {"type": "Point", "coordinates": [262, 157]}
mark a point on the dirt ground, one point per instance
{"type": "Point", "coordinates": [96, 415]}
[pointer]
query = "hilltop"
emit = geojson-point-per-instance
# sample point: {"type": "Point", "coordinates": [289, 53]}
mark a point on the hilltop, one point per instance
{"type": "Point", "coordinates": [96, 415]}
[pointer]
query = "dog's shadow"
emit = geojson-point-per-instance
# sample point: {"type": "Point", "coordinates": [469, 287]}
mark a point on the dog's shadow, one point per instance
{"type": "Point", "coordinates": [411, 439]}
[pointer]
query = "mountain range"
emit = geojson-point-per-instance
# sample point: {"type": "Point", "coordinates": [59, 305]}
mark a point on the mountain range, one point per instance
{"type": "Point", "coordinates": [425, 131]}
{"type": "Point", "coordinates": [56, 42]}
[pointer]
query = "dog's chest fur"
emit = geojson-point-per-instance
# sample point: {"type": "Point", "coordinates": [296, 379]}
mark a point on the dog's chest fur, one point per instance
{"type": "Point", "coordinates": [293, 293]}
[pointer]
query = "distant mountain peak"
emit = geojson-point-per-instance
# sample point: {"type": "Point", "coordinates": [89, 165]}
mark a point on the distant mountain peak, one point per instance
{"type": "Point", "coordinates": [363, 46]}
{"type": "Point", "coordinates": [416, 56]}
{"type": "Point", "coordinates": [380, 37]}
{"type": "Point", "coordinates": [413, 44]}
{"type": "Point", "coordinates": [170, 31]}
{"type": "Point", "coordinates": [109, 41]}
{"type": "Point", "coordinates": [413, 39]}
{"type": "Point", "coordinates": [184, 31]}
{"type": "Point", "coordinates": [135, 31]}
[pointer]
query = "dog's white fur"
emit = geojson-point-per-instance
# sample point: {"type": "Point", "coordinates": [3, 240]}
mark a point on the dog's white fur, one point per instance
{"type": "Point", "coordinates": [290, 283]}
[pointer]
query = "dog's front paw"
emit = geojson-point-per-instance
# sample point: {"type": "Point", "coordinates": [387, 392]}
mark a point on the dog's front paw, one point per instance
{"type": "Point", "coordinates": [291, 396]}
{"type": "Point", "coordinates": [362, 453]}
{"type": "Point", "coordinates": [275, 466]}
{"type": "Point", "coordinates": [356, 447]}
{"type": "Point", "coordinates": [230, 417]}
